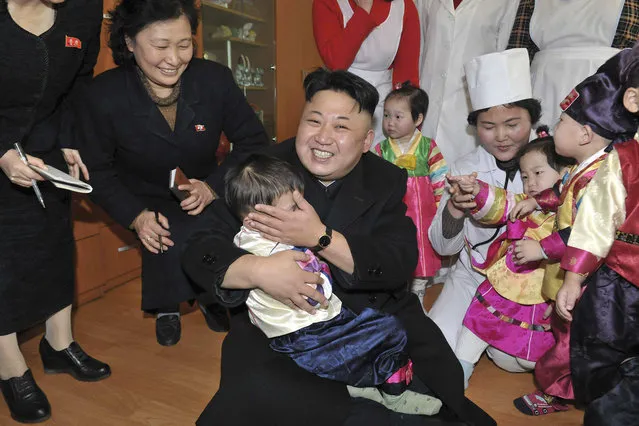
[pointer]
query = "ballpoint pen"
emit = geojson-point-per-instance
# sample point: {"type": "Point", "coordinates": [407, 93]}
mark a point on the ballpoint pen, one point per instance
{"type": "Point", "coordinates": [157, 219]}
{"type": "Point", "coordinates": [34, 183]}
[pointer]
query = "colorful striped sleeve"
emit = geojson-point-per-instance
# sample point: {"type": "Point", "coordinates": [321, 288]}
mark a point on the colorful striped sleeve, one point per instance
{"type": "Point", "coordinates": [494, 204]}
{"type": "Point", "coordinates": [437, 171]}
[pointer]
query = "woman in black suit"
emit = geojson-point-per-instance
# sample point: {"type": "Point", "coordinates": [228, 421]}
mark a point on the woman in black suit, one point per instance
{"type": "Point", "coordinates": [159, 110]}
{"type": "Point", "coordinates": [47, 56]}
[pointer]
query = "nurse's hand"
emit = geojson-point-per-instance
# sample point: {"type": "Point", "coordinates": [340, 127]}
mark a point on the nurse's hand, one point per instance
{"type": "Point", "coordinates": [467, 184]}
{"type": "Point", "coordinates": [74, 163]}
{"type": "Point", "coordinates": [460, 201]}
{"type": "Point", "coordinates": [201, 196]}
{"type": "Point", "coordinates": [18, 172]}
{"type": "Point", "coordinates": [367, 5]}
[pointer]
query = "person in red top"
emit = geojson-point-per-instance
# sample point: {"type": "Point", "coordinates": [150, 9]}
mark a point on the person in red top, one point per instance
{"type": "Point", "coordinates": [378, 40]}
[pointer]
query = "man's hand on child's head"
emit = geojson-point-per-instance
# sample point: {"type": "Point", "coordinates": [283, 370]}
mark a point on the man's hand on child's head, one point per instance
{"type": "Point", "coordinates": [300, 227]}
{"type": "Point", "coordinates": [527, 251]}
{"type": "Point", "coordinates": [523, 209]}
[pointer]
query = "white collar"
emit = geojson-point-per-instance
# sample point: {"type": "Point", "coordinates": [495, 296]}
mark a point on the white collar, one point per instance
{"type": "Point", "coordinates": [588, 161]}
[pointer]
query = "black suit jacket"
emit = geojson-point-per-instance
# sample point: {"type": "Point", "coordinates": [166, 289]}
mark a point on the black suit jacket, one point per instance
{"type": "Point", "coordinates": [129, 147]}
{"type": "Point", "coordinates": [43, 78]}
{"type": "Point", "coordinates": [368, 210]}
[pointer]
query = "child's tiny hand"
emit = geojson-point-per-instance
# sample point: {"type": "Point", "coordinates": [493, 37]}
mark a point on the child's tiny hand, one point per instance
{"type": "Point", "coordinates": [523, 209]}
{"type": "Point", "coordinates": [466, 183]}
{"type": "Point", "coordinates": [527, 251]}
{"type": "Point", "coordinates": [548, 310]}
{"type": "Point", "coordinates": [453, 187]}
{"type": "Point", "coordinates": [567, 297]}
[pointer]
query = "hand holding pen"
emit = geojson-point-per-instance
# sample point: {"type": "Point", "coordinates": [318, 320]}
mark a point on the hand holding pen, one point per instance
{"type": "Point", "coordinates": [157, 219]}
{"type": "Point", "coordinates": [153, 230]}
{"type": "Point", "coordinates": [17, 170]}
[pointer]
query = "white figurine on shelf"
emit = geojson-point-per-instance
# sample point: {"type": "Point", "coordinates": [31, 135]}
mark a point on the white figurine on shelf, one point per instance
{"type": "Point", "coordinates": [223, 3]}
{"type": "Point", "coordinates": [246, 29]}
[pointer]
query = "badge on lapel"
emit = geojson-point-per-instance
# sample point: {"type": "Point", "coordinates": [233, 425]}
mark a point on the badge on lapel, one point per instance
{"type": "Point", "coordinates": [200, 128]}
{"type": "Point", "coordinates": [72, 42]}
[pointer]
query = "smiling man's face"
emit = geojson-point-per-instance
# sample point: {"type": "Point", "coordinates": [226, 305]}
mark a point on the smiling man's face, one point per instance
{"type": "Point", "coordinates": [332, 135]}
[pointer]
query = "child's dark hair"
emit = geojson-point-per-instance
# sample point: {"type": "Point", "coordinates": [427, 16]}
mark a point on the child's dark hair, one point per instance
{"type": "Point", "coordinates": [342, 81]}
{"type": "Point", "coordinates": [533, 106]}
{"type": "Point", "coordinates": [545, 144]}
{"type": "Point", "coordinates": [416, 97]}
{"type": "Point", "coordinates": [259, 179]}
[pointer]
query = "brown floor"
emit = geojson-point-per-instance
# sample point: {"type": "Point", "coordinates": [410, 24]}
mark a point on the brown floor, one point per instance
{"type": "Point", "coordinates": [156, 386]}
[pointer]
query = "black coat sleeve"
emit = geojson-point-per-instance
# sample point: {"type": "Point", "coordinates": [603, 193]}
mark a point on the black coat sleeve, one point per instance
{"type": "Point", "coordinates": [78, 91]}
{"type": "Point", "coordinates": [385, 258]}
{"type": "Point", "coordinates": [209, 254]}
{"type": "Point", "coordinates": [98, 144]}
{"type": "Point", "coordinates": [241, 126]}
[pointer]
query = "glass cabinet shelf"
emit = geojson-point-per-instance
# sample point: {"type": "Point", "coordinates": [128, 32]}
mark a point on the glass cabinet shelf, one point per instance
{"type": "Point", "coordinates": [242, 37]}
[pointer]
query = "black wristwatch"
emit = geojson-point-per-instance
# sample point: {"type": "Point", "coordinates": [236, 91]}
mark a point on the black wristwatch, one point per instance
{"type": "Point", "coordinates": [325, 240]}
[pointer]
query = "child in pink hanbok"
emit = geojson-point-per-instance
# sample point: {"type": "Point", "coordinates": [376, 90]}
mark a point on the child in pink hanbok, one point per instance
{"type": "Point", "coordinates": [406, 147]}
{"type": "Point", "coordinates": [507, 317]}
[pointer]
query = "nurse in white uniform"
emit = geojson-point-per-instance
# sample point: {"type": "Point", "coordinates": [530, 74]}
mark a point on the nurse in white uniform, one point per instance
{"type": "Point", "coordinates": [453, 33]}
{"type": "Point", "coordinates": [503, 113]}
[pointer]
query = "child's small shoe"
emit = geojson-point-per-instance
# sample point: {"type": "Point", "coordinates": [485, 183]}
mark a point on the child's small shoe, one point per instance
{"type": "Point", "coordinates": [538, 404]}
{"type": "Point", "coordinates": [399, 381]}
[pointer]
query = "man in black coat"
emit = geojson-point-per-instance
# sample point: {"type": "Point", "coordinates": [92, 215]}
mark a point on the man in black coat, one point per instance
{"type": "Point", "coordinates": [353, 215]}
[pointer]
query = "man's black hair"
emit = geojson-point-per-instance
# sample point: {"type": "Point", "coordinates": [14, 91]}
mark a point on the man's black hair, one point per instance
{"type": "Point", "coordinates": [340, 81]}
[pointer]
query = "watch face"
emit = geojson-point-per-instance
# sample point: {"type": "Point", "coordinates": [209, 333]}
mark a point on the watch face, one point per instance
{"type": "Point", "coordinates": [324, 241]}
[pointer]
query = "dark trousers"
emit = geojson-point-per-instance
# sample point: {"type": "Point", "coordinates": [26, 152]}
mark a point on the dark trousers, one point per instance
{"type": "Point", "coordinates": [261, 386]}
{"type": "Point", "coordinates": [604, 350]}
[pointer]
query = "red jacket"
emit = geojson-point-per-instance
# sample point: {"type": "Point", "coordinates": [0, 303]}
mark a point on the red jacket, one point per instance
{"type": "Point", "coordinates": [338, 45]}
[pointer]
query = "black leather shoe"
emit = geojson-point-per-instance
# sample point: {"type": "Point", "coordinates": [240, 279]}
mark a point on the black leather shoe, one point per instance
{"type": "Point", "coordinates": [168, 330]}
{"type": "Point", "coordinates": [74, 361]}
{"type": "Point", "coordinates": [216, 317]}
{"type": "Point", "coordinates": [26, 401]}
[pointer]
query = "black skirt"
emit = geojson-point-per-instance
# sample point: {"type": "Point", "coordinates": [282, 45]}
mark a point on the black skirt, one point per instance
{"type": "Point", "coordinates": [36, 265]}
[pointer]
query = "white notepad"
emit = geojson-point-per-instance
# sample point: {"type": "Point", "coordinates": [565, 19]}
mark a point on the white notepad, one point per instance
{"type": "Point", "coordinates": [63, 180]}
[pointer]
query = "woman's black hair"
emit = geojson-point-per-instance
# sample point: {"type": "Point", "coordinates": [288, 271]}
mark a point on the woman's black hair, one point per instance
{"type": "Point", "coordinates": [417, 99]}
{"type": "Point", "coordinates": [341, 81]}
{"type": "Point", "coordinates": [545, 144]}
{"type": "Point", "coordinates": [533, 106]}
{"type": "Point", "coordinates": [131, 16]}
{"type": "Point", "coordinates": [259, 179]}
